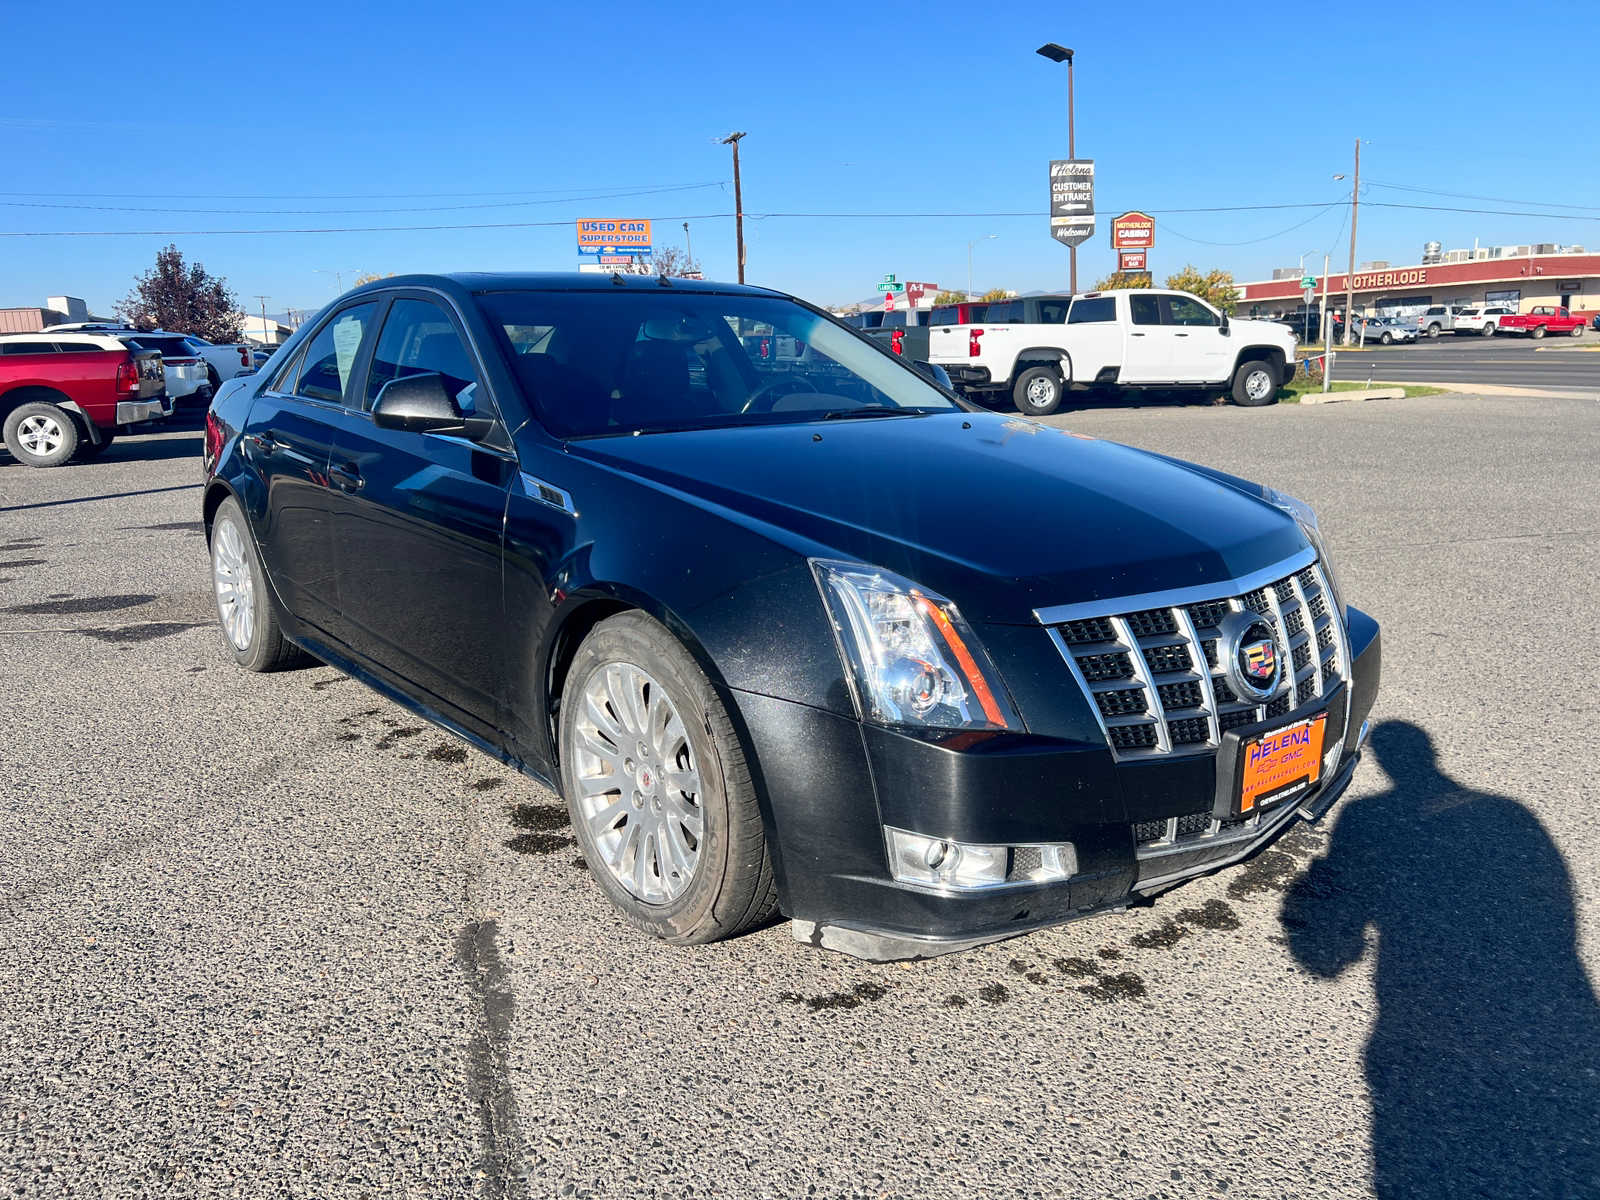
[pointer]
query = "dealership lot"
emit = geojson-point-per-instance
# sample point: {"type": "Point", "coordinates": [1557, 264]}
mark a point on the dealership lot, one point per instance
{"type": "Point", "coordinates": [1468, 361]}
{"type": "Point", "coordinates": [272, 935]}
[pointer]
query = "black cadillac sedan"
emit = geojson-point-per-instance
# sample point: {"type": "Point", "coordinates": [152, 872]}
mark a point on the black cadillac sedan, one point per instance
{"type": "Point", "coordinates": [788, 625]}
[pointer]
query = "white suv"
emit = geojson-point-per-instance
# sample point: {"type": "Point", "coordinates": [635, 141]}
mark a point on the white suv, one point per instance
{"type": "Point", "coordinates": [1484, 321]}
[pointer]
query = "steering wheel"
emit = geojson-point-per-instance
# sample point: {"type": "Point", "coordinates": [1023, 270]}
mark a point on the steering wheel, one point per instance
{"type": "Point", "coordinates": [787, 381]}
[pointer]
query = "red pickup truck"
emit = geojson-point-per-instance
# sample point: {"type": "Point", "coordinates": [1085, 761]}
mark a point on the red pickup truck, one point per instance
{"type": "Point", "coordinates": [1546, 318]}
{"type": "Point", "coordinates": [67, 394]}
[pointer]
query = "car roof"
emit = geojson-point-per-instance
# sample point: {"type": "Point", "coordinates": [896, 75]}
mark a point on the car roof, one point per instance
{"type": "Point", "coordinates": [479, 282]}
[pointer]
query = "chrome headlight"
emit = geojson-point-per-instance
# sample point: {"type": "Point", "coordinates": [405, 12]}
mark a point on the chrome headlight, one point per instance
{"type": "Point", "coordinates": [1306, 517]}
{"type": "Point", "coordinates": [909, 657]}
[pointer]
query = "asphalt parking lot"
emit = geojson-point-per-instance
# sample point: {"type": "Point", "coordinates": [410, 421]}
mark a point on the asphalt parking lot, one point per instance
{"type": "Point", "coordinates": [271, 935]}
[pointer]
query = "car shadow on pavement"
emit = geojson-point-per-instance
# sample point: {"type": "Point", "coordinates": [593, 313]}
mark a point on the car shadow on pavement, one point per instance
{"type": "Point", "coordinates": [1484, 1060]}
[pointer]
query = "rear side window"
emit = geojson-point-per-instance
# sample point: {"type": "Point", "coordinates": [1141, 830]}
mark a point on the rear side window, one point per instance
{"type": "Point", "coordinates": [30, 347]}
{"type": "Point", "coordinates": [894, 320]}
{"type": "Point", "coordinates": [945, 314]}
{"type": "Point", "coordinates": [1052, 312]}
{"type": "Point", "coordinates": [1093, 312]}
{"type": "Point", "coordinates": [1004, 313]}
{"type": "Point", "coordinates": [418, 337]}
{"type": "Point", "coordinates": [330, 359]}
{"type": "Point", "coordinates": [1145, 310]}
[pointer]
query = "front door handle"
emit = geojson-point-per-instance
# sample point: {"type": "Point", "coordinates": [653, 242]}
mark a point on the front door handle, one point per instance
{"type": "Point", "coordinates": [261, 442]}
{"type": "Point", "coordinates": [1183, 335]}
{"type": "Point", "coordinates": [346, 478]}
{"type": "Point", "coordinates": [1136, 335]}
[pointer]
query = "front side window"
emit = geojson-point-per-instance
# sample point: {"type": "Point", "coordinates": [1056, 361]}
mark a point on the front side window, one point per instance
{"type": "Point", "coordinates": [604, 363]}
{"type": "Point", "coordinates": [418, 338]}
{"type": "Point", "coordinates": [330, 359]}
{"type": "Point", "coordinates": [1096, 311]}
{"type": "Point", "coordinates": [1145, 309]}
{"type": "Point", "coordinates": [1184, 310]}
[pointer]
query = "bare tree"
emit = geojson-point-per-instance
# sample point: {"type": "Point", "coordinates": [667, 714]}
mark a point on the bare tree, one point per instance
{"type": "Point", "coordinates": [669, 260]}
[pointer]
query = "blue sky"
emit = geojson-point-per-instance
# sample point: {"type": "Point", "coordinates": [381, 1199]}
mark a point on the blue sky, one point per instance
{"type": "Point", "coordinates": [886, 109]}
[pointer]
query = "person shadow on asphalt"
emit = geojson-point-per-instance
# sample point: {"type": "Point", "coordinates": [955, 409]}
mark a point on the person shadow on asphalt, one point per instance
{"type": "Point", "coordinates": [1484, 1061]}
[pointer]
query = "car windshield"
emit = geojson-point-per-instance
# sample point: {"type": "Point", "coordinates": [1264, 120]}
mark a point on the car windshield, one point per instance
{"type": "Point", "coordinates": [605, 363]}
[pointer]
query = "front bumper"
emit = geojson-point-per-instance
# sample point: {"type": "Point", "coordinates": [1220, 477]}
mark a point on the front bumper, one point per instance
{"type": "Point", "coordinates": [832, 784]}
{"type": "Point", "coordinates": [134, 412]}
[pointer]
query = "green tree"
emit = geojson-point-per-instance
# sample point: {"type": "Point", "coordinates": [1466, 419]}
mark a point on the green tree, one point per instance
{"type": "Point", "coordinates": [1124, 279]}
{"type": "Point", "coordinates": [950, 298]}
{"type": "Point", "coordinates": [994, 294]}
{"type": "Point", "coordinates": [1215, 287]}
{"type": "Point", "coordinates": [185, 299]}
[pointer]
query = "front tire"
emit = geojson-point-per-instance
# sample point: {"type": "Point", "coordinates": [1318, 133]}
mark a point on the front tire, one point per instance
{"type": "Point", "coordinates": [1255, 383]}
{"type": "Point", "coordinates": [41, 435]}
{"type": "Point", "coordinates": [1386, 339]}
{"type": "Point", "coordinates": [1038, 391]}
{"type": "Point", "coordinates": [1488, 330]}
{"type": "Point", "coordinates": [245, 613]}
{"type": "Point", "coordinates": [658, 789]}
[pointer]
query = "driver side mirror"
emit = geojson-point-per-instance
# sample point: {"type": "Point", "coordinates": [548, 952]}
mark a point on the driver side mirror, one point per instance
{"type": "Point", "coordinates": [1224, 326]}
{"type": "Point", "coordinates": [423, 404]}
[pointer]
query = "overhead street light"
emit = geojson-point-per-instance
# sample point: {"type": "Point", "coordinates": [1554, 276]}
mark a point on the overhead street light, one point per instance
{"type": "Point", "coordinates": [1060, 54]}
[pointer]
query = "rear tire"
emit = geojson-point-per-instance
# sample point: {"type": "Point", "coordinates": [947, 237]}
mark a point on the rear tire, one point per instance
{"type": "Point", "coordinates": [1488, 329]}
{"type": "Point", "coordinates": [41, 435]}
{"type": "Point", "coordinates": [245, 612]}
{"type": "Point", "coordinates": [658, 789]}
{"type": "Point", "coordinates": [1577, 331]}
{"type": "Point", "coordinates": [1538, 334]}
{"type": "Point", "coordinates": [1255, 384]}
{"type": "Point", "coordinates": [1434, 331]}
{"type": "Point", "coordinates": [1038, 391]}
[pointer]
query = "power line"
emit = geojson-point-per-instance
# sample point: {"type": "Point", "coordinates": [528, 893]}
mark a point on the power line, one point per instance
{"type": "Point", "coordinates": [301, 212]}
{"type": "Point", "coordinates": [1253, 241]}
{"type": "Point", "coordinates": [298, 195]}
{"type": "Point", "coordinates": [1405, 187]}
{"type": "Point", "coordinates": [1491, 212]}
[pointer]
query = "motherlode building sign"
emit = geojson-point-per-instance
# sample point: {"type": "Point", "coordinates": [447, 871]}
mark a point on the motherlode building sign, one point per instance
{"type": "Point", "coordinates": [1520, 281]}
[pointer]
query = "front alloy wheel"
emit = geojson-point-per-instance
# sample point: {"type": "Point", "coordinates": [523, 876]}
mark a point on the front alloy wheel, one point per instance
{"type": "Point", "coordinates": [658, 789]}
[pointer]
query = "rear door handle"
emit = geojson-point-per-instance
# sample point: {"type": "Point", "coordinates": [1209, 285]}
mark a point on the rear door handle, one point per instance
{"type": "Point", "coordinates": [1183, 335]}
{"type": "Point", "coordinates": [346, 478]}
{"type": "Point", "coordinates": [1136, 335]}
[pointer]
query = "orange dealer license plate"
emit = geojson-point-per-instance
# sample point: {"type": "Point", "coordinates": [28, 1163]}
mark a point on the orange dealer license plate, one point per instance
{"type": "Point", "coordinates": [1281, 763]}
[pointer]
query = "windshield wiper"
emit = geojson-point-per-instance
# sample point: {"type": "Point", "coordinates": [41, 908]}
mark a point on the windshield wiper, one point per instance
{"type": "Point", "coordinates": [871, 410]}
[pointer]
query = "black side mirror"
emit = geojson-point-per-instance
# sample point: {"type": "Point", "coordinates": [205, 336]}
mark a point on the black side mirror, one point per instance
{"type": "Point", "coordinates": [423, 404]}
{"type": "Point", "coordinates": [934, 372]}
{"type": "Point", "coordinates": [1224, 325]}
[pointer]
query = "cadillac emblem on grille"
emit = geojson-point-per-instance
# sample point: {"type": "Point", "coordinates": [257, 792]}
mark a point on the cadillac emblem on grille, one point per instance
{"type": "Point", "coordinates": [1250, 655]}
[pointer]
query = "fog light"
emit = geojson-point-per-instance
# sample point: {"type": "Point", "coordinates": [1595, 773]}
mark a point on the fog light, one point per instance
{"type": "Point", "coordinates": [963, 866]}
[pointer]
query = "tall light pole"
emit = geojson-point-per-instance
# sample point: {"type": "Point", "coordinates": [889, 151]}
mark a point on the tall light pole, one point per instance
{"type": "Point", "coordinates": [738, 199]}
{"type": "Point", "coordinates": [1350, 276]}
{"type": "Point", "coordinates": [688, 247]}
{"type": "Point", "coordinates": [1056, 53]}
{"type": "Point", "coordinates": [263, 300]}
{"type": "Point", "coordinates": [986, 237]}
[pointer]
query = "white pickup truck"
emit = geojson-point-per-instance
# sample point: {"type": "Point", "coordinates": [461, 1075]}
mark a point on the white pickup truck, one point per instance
{"type": "Point", "coordinates": [1036, 348]}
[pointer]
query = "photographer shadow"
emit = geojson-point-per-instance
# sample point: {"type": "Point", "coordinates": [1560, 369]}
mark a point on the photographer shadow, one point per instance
{"type": "Point", "coordinates": [1484, 1061]}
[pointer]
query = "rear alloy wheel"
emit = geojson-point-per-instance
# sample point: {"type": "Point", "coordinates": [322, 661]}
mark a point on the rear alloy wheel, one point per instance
{"type": "Point", "coordinates": [1538, 334]}
{"type": "Point", "coordinates": [249, 622]}
{"type": "Point", "coordinates": [1577, 331]}
{"type": "Point", "coordinates": [1488, 329]}
{"type": "Point", "coordinates": [658, 789]}
{"type": "Point", "coordinates": [41, 435]}
{"type": "Point", "coordinates": [1038, 391]}
{"type": "Point", "coordinates": [1434, 331]}
{"type": "Point", "coordinates": [1255, 383]}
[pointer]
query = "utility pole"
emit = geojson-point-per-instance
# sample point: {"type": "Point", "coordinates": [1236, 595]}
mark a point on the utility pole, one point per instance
{"type": "Point", "coordinates": [738, 199]}
{"type": "Point", "coordinates": [263, 300]}
{"type": "Point", "coordinates": [1350, 276]}
{"type": "Point", "coordinates": [1327, 326]}
{"type": "Point", "coordinates": [688, 247]}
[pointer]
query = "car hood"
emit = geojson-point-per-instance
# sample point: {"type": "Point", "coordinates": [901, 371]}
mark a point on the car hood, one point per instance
{"type": "Point", "coordinates": [1001, 515]}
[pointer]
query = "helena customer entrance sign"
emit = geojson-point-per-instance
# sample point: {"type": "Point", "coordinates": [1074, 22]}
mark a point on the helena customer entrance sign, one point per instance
{"type": "Point", "coordinates": [1072, 200]}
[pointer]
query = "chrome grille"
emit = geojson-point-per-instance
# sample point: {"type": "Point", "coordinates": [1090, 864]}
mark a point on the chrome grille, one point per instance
{"type": "Point", "coordinates": [1152, 668]}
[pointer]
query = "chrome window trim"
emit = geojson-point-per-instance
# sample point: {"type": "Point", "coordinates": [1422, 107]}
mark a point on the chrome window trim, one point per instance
{"type": "Point", "coordinates": [1222, 589]}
